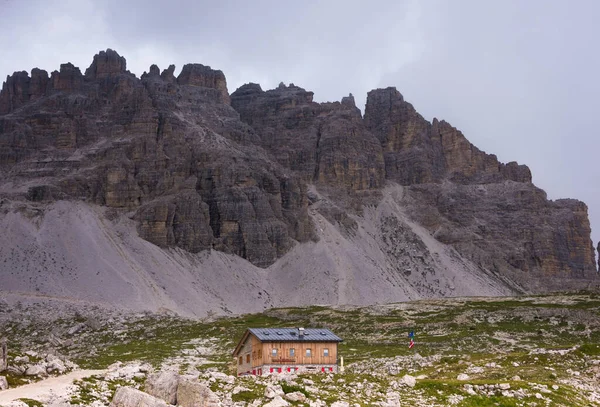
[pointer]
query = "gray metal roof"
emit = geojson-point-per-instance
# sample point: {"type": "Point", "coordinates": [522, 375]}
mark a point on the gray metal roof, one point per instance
{"type": "Point", "coordinates": [291, 334]}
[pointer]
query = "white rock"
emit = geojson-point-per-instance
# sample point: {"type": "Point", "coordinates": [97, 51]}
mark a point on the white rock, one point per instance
{"type": "Point", "coordinates": [504, 386]}
{"type": "Point", "coordinates": [277, 402]}
{"type": "Point", "coordinates": [163, 385]}
{"type": "Point", "coordinates": [3, 383]}
{"type": "Point", "coordinates": [223, 377]}
{"type": "Point", "coordinates": [35, 370]}
{"type": "Point", "coordinates": [295, 396]}
{"type": "Point", "coordinates": [55, 366]}
{"type": "Point", "coordinates": [462, 376]}
{"type": "Point", "coordinates": [340, 404]}
{"type": "Point", "coordinates": [554, 387]}
{"type": "Point", "coordinates": [130, 397]}
{"type": "Point", "coordinates": [455, 399]}
{"type": "Point", "coordinates": [409, 380]}
{"type": "Point", "coordinates": [516, 378]}
{"type": "Point", "coordinates": [192, 393]}
{"type": "Point", "coordinates": [273, 391]}
{"type": "Point", "coordinates": [538, 396]}
{"type": "Point", "coordinates": [239, 389]}
{"type": "Point", "coordinates": [469, 389]}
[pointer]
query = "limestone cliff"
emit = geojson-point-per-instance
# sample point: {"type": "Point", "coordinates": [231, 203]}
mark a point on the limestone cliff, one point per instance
{"type": "Point", "coordinates": [248, 173]}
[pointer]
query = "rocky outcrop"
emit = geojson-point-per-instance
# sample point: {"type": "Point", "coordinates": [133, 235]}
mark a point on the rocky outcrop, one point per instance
{"type": "Point", "coordinates": [205, 77]}
{"type": "Point", "coordinates": [130, 397]}
{"type": "Point", "coordinates": [327, 143]}
{"type": "Point", "coordinates": [106, 63]}
{"type": "Point", "coordinates": [510, 229]}
{"type": "Point", "coordinates": [418, 152]}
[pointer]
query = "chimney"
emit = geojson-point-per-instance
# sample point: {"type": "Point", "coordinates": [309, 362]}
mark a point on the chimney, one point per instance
{"type": "Point", "coordinates": [301, 333]}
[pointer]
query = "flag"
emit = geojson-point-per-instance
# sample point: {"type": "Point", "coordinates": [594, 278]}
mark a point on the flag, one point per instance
{"type": "Point", "coordinates": [411, 344]}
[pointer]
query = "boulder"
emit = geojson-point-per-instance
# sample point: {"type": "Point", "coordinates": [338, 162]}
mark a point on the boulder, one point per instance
{"type": "Point", "coordinates": [462, 377]}
{"type": "Point", "coordinates": [203, 76]}
{"type": "Point", "coordinates": [277, 402]}
{"type": "Point", "coordinates": [55, 366]}
{"type": "Point", "coordinates": [3, 383]}
{"type": "Point", "coordinates": [106, 63]}
{"type": "Point", "coordinates": [273, 390]}
{"type": "Point", "coordinates": [191, 393]}
{"type": "Point", "coordinates": [3, 355]}
{"type": "Point", "coordinates": [295, 396]}
{"type": "Point", "coordinates": [130, 397]}
{"type": "Point", "coordinates": [35, 370]}
{"type": "Point", "coordinates": [163, 385]}
{"type": "Point", "coordinates": [409, 380]}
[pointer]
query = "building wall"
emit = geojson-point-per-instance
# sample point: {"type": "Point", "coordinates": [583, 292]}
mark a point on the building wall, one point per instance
{"type": "Point", "coordinates": [246, 354]}
{"type": "Point", "coordinates": [300, 358]}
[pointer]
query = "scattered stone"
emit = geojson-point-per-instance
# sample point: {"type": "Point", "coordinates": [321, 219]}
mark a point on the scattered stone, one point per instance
{"type": "Point", "coordinates": [340, 404]}
{"type": "Point", "coordinates": [504, 386]}
{"type": "Point", "coordinates": [462, 376]}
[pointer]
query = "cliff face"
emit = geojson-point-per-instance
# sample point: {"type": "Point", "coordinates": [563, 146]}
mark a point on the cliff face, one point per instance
{"type": "Point", "coordinates": [327, 144]}
{"type": "Point", "coordinates": [170, 151]}
{"type": "Point", "coordinates": [199, 169]}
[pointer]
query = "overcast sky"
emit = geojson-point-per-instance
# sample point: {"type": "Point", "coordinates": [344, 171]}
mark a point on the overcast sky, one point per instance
{"type": "Point", "coordinates": [519, 78]}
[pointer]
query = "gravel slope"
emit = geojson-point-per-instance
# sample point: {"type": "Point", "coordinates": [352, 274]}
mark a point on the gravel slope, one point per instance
{"type": "Point", "coordinates": [76, 251]}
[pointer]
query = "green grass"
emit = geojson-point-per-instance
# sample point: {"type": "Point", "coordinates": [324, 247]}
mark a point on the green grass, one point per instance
{"type": "Point", "coordinates": [31, 402]}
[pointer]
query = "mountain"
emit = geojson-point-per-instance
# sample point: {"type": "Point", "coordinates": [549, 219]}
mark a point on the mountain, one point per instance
{"type": "Point", "coordinates": [166, 192]}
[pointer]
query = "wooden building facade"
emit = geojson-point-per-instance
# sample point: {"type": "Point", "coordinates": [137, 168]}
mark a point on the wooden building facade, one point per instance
{"type": "Point", "coordinates": [279, 350]}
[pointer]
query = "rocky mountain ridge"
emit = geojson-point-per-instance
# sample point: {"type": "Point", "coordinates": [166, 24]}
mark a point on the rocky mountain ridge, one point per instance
{"type": "Point", "coordinates": [252, 174]}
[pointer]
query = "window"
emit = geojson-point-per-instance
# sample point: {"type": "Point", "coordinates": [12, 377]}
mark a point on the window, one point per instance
{"type": "Point", "coordinates": [260, 353]}
{"type": "Point", "coordinates": [325, 352]}
{"type": "Point", "coordinates": [292, 352]}
{"type": "Point", "coordinates": [308, 353]}
{"type": "Point", "coordinates": [253, 355]}
{"type": "Point", "coordinates": [274, 353]}
{"type": "Point", "coordinates": [241, 360]}
{"type": "Point", "coordinates": [248, 358]}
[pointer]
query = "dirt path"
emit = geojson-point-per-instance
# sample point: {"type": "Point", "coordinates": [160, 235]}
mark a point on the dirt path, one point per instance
{"type": "Point", "coordinates": [45, 389]}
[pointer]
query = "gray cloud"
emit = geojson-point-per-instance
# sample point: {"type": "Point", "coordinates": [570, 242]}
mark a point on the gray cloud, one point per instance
{"type": "Point", "coordinates": [518, 78]}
